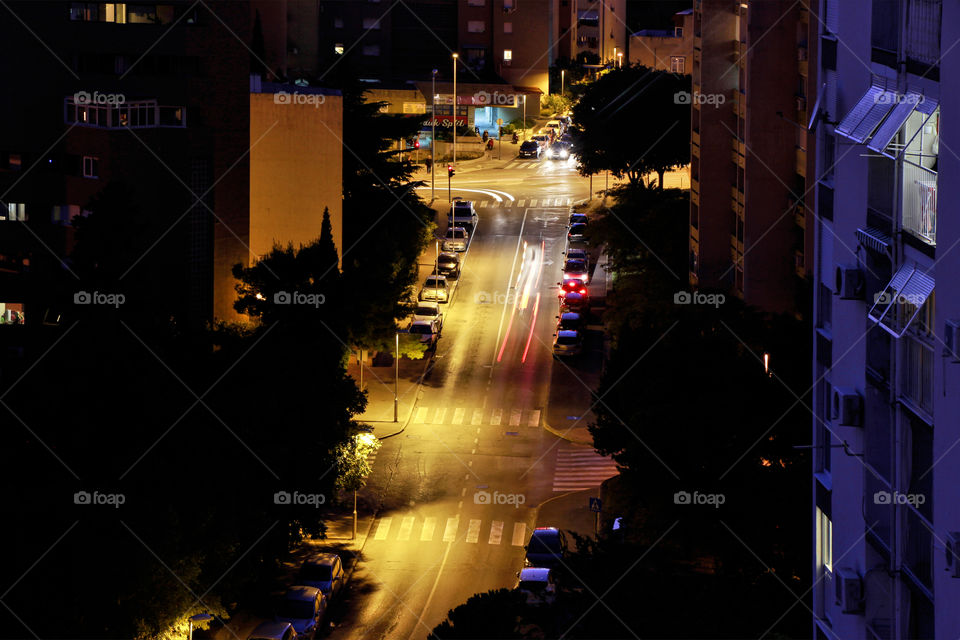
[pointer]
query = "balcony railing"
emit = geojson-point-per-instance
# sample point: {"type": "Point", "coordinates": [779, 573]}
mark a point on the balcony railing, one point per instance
{"type": "Point", "coordinates": [920, 202]}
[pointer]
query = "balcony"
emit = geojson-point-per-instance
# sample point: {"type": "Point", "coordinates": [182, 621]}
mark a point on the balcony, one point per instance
{"type": "Point", "coordinates": [802, 61]}
{"type": "Point", "coordinates": [694, 185]}
{"type": "Point", "coordinates": [920, 203]}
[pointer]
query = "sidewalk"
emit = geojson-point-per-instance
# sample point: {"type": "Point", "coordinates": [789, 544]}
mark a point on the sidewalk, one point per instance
{"type": "Point", "coordinates": [380, 383]}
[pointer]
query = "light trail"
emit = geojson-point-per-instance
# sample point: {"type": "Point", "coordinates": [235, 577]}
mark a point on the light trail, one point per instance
{"type": "Point", "coordinates": [533, 325]}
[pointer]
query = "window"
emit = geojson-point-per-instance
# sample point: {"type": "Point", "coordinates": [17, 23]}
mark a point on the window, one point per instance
{"type": "Point", "coordinates": [507, 56]}
{"type": "Point", "coordinates": [371, 23]}
{"type": "Point", "coordinates": [16, 211]}
{"type": "Point", "coordinates": [91, 167]}
{"type": "Point", "coordinates": [476, 3]}
{"type": "Point", "coordinates": [14, 162]}
{"type": "Point", "coordinates": [508, 27]}
{"type": "Point", "coordinates": [824, 542]}
{"type": "Point", "coordinates": [371, 50]}
{"type": "Point", "coordinates": [916, 379]}
{"type": "Point", "coordinates": [338, 23]}
{"type": "Point", "coordinates": [507, 5]}
{"type": "Point", "coordinates": [338, 49]}
{"type": "Point", "coordinates": [823, 450]}
{"type": "Point", "coordinates": [677, 64]}
{"type": "Point", "coordinates": [476, 26]}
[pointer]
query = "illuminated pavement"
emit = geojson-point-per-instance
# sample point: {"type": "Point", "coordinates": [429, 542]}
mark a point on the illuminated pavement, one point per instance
{"type": "Point", "coordinates": [460, 486]}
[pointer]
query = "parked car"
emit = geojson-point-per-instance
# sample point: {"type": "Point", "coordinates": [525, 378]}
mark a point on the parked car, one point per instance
{"type": "Point", "coordinates": [323, 571]}
{"type": "Point", "coordinates": [575, 301]}
{"type": "Point", "coordinates": [434, 289]}
{"type": "Point", "coordinates": [578, 254]}
{"type": "Point", "coordinates": [273, 631]}
{"type": "Point", "coordinates": [568, 342]}
{"type": "Point", "coordinates": [547, 547]}
{"type": "Point", "coordinates": [462, 214]}
{"type": "Point", "coordinates": [428, 330]}
{"type": "Point", "coordinates": [558, 151]}
{"type": "Point", "coordinates": [538, 585]}
{"type": "Point", "coordinates": [542, 139]}
{"type": "Point", "coordinates": [448, 264]}
{"type": "Point", "coordinates": [529, 149]}
{"type": "Point", "coordinates": [577, 218]}
{"type": "Point", "coordinates": [556, 125]}
{"type": "Point", "coordinates": [303, 607]}
{"type": "Point", "coordinates": [456, 239]}
{"type": "Point", "coordinates": [569, 321]}
{"type": "Point", "coordinates": [573, 284]}
{"type": "Point", "coordinates": [576, 270]}
{"type": "Point", "coordinates": [429, 311]}
{"type": "Point", "coordinates": [577, 232]}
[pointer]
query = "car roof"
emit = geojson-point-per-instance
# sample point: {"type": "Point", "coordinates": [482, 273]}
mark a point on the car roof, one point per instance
{"type": "Point", "coordinates": [577, 262]}
{"type": "Point", "coordinates": [461, 202]}
{"type": "Point", "coordinates": [270, 629]}
{"type": "Point", "coordinates": [300, 592]}
{"type": "Point", "coordinates": [429, 305]}
{"type": "Point", "coordinates": [535, 574]}
{"type": "Point", "coordinates": [569, 315]}
{"type": "Point", "coordinates": [578, 224]}
{"type": "Point", "coordinates": [436, 277]}
{"type": "Point", "coordinates": [449, 254]}
{"type": "Point", "coordinates": [328, 558]}
{"type": "Point", "coordinates": [568, 333]}
{"type": "Point", "coordinates": [572, 295]}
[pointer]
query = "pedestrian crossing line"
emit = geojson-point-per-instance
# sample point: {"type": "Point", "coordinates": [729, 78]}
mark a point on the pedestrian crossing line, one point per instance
{"type": "Point", "coordinates": [533, 203]}
{"type": "Point", "coordinates": [495, 418]}
{"type": "Point", "coordinates": [581, 469]}
{"type": "Point", "coordinates": [383, 528]}
{"type": "Point", "coordinates": [440, 414]}
{"type": "Point", "coordinates": [477, 416]}
{"type": "Point", "coordinates": [421, 416]}
{"type": "Point", "coordinates": [473, 531]}
{"type": "Point", "coordinates": [496, 532]}
{"type": "Point", "coordinates": [519, 534]}
{"type": "Point", "coordinates": [426, 533]}
{"type": "Point", "coordinates": [450, 532]}
{"type": "Point", "coordinates": [556, 202]}
{"type": "Point", "coordinates": [458, 415]}
{"type": "Point", "coordinates": [484, 203]}
{"type": "Point", "coordinates": [406, 526]}
{"type": "Point", "coordinates": [515, 417]}
{"type": "Point", "coordinates": [534, 418]}
{"type": "Point", "coordinates": [521, 203]}
{"type": "Point", "coordinates": [507, 204]}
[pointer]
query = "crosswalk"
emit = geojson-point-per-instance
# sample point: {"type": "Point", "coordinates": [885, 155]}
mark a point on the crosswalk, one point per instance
{"type": "Point", "coordinates": [493, 416]}
{"type": "Point", "coordinates": [454, 529]}
{"type": "Point", "coordinates": [523, 203]}
{"type": "Point", "coordinates": [532, 164]}
{"type": "Point", "coordinates": [579, 468]}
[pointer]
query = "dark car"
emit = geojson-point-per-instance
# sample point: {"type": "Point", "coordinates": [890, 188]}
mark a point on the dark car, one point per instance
{"type": "Point", "coordinates": [577, 232]}
{"type": "Point", "coordinates": [448, 264]}
{"type": "Point", "coordinates": [529, 149]}
{"type": "Point", "coordinates": [558, 151]}
{"type": "Point", "coordinates": [574, 301]}
{"type": "Point", "coordinates": [572, 284]}
{"type": "Point", "coordinates": [547, 547]}
{"type": "Point", "coordinates": [569, 321]}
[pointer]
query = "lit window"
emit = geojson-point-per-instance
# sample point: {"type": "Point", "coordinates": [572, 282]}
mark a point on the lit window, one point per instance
{"type": "Point", "coordinates": [824, 541]}
{"type": "Point", "coordinates": [338, 49]}
{"type": "Point", "coordinates": [371, 50]}
{"type": "Point", "coordinates": [476, 26]}
{"type": "Point", "coordinates": [338, 23]}
{"type": "Point", "coordinates": [91, 167]}
{"type": "Point", "coordinates": [508, 4]}
{"type": "Point", "coordinates": [16, 211]}
{"type": "Point", "coordinates": [371, 23]}
{"type": "Point", "coordinates": [508, 27]}
{"type": "Point", "coordinates": [677, 64]}
{"type": "Point", "coordinates": [14, 162]}
{"type": "Point", "coordinates": [507, 56]}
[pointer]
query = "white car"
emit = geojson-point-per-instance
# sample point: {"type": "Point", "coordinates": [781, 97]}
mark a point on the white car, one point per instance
{"type": "Point", "coordinates": [456, 239]}
{"type": "Point", "coordinates": [323, 571]}
{"type": "Point", "coordinates": [427, 330]}
{"type": "Point", "coordinates": [303, 607]}
{"type": "Point", "coordinates": [537, 585]}
{"type": "Point", "coordinates": [435, 289]}
{"type": "Point", "coordinates": [429, 311]}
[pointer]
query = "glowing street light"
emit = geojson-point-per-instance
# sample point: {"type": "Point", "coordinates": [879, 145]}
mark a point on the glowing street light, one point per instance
{"type": "Point", "coordinates": [455, 56]}
{"type": "Point", "coordinates": [620, 59]}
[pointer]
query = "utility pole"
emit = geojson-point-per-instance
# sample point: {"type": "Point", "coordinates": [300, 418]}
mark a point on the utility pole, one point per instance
{"type": "Point", "coordinates": [396, 382]}
{"type": "Point", "coordinates": [455, 56]}
{"type": "Point", "coordinates": [433, 139]}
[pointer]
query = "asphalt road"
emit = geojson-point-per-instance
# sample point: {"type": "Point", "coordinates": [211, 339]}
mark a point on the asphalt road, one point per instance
{"type": "Point", "coordinates": [458, 489]}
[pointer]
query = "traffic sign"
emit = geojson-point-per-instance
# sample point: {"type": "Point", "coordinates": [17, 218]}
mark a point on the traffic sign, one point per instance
{"type": "Point", "coordinates": [595, 505]}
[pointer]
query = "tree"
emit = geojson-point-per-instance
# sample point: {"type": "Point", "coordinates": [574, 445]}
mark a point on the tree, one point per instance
{"type": "Point", "coordinates": [631, 122]}
{"type": "Point", "coordinates": [495, 614]}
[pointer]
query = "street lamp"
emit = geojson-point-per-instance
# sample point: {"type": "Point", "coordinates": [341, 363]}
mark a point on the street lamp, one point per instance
{"type": "Point", "coordinates": [433, 138]}
{"type": "Point", "coordinates": [524, 117]}
{"type": "Point", "coordinates": [620, 59]}
{"type": "Point", "coordinates": [396, 381]}
{"type": "Point", "coordinates": [562, 71]}
{"type": "Point", "coordinates": [455, 56]}
{"type": "Point", "coordinates": [436, 264]}
{"type": "Point", "coordinates": [200, 618]}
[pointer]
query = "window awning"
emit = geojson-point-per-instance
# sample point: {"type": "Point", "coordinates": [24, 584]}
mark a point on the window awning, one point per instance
{"type": "Point", "coordinates": [897, 306]}
{"type": "Point", "coordinates": [872, 107]}
{"type": "Point", "coordinates": [895, 121]}
{"type": "Point", "coordinates": [588, 15]}
{"type": "Point", "coordinates": [874, 239]}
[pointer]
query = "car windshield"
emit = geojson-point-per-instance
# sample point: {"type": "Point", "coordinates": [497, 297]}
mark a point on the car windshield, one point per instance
{"type": "Point", "coordinates": [544, 544]}
{"type": "Point", "coordinates": [423, 329]}
{"type": "Point", "coordinates": [532, 585]}
{"type": "Point", "coordinates": [315, 572]}
{"type": "Point", "coordinates": [433, 283]}
{"type": "Point", "coordinates": [577, 254]}
{"type": "Point", "coordinates": [295, 610]}
{"type": "Point", "coordinates": [574, 265]}
{"type": "Point", "coordinates": [567, 340]}
{"type": "Point", "coordinates": [529, 144]}
{"type": "Point", "coordinates": [568, 325]}
{"type": "Point", "coordinates": [456, 233]}
{"type": "Point", "coordinates": [448, 260]}
{"type": "Point", "coordinates": [421, 311]}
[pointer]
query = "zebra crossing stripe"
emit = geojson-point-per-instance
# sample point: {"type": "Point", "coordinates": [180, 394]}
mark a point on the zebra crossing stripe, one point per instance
{"type": "Point", "coordinates": [421, 416]}
{"type": "Point", "coordinates": [383, 528]}
{"type": "Point", "coordinates": [556, 202]}
{"type": "Point", "coordinates": [484, 203]}
{"type": "Point", "coordinates": [519, 534]}
{"type": "Point", "coordinates": [515, 417]}
{"type": "Point", "coordinates": [533, 203]}
{"type": "Point", "coordinates": [496, 532]}
{"type": "Point", "coordinates": [406, 526]}
{"type": "Point", "coordinates": [458, 416]}
{"type": "Point", "coordinates": [477, 417]}
{"type": "Point", "coordinates": [534, 418]}
{"type": "Point", "coordinates": [450, 532]}
{"type": "Point", "coordinates": [473, 531]}
{"type": "Point", "coordinates": [429, 524]}
{"type": "Point", "coordinates": [440, 414]}
{"type": "Point", "coordinates": [495, 418]}
{"type": "Point", "coordinates": [521, 203]}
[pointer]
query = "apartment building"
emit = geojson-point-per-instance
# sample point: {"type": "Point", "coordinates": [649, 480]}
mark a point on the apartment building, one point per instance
{"type": "Point", "coordinates": [601, 30]}
{"type": "Point", "coordinates": [749, 151]}
{"type": "Point", "coordinates": [665, 49]}
{"type": "Point", "coordinates": [886, 479]}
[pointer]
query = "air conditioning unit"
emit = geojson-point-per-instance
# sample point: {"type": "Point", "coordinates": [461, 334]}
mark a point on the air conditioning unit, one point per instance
{"type": "Point", "coordinates": [952, 544]}
{"type": "Point", "coordinates": [951, 340]}
{"type": "Point", "coordinates": [847, 407]}
{"type": "Point", "coordinates": [850, 283]}
{"type": "Point", "coordinates": [849, 590]}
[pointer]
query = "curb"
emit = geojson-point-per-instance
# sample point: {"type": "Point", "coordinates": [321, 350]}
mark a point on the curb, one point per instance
{"type": "Point", "coordinates": [413, 405]}
{"type": "Point", "coordinates": [563, 436]}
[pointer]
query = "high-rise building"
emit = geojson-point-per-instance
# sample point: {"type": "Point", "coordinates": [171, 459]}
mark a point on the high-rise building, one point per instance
{"type": "Point", "coordinates": [749, 152]}
{"type": "Point", "coordinates": [665, 49]}
{"type": "Point", "coordinates": [601, 30]}
{"type": "Point", "coordinates": [886, 482]}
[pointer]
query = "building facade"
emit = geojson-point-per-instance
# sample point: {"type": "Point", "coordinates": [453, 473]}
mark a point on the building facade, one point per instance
{"type": "Point", "coordinates": [885, 481]}
{"type": "Point", "coordinates": [749, 152]}
{"type": "Point", "coordinates": [601, 29]}
{"type": "Point", "coordinates": [665, 49]}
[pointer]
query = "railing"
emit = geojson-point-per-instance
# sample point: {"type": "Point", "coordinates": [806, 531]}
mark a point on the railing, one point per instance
{"type": "Point", "coordinates": [920, 202]}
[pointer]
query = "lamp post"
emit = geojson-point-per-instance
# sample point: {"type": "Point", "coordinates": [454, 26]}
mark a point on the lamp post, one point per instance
{"type": "Point", "coordinates": [200, 618]}
{"type": "Point", "coordinates": [614, 55]}
{"type": "Point", "coordinates": [620, 59]}
{"type": "Point", "coordinates": [562, 71]}
{"type": "Point", "coordinates": [524, 117]}
{"type": "Point", "coordinates": [436, 264]}
{"type": "Point", "coordinates": [396, 381]}
{"type": "Point", "coordinates": [433, 138]}
{"type": "Point", "coordinates": [455, 56]}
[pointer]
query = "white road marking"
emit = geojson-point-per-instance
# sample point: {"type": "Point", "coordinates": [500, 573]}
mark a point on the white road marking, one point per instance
{"type": "Point", "coordinates": [534, 418]}
{"type": "Point", "coordinates": [515, 417]}
{"type": "Point", "coordinates": [483, 204]}
{"type": "Point", "coordinates": [458, 416]}
{"type": "Point", "coordinates": [383, 528]}
{"type": "Point", "coordinates": [495, 418]}
{"type": "Point", "coordinates": [473, 531]}
{"type": "Point", "coordinates": [440, 415]}
{"type": "Point", "coordinates": [496, 532]}
{"type": "Point", "coordinates": [519, 534]}
{"type": "Point", "coordinates": [450, 532]}
{"type": "Point", "coordinates": [429, 524]}
{"type": "Point", "coordinates": [421, 415]}
{"type": "Point", "coordinates": [477, 416]}
{"type": "Point", "coordinates": [521, 203]}
{"type": "Point", "coordinates": [533, 203]}
{"type": "Point", "coordinates": [406, 526]}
